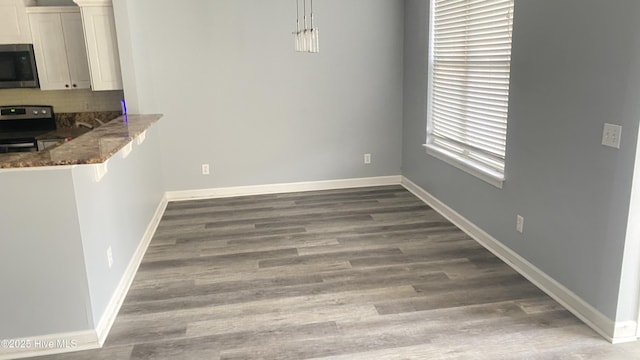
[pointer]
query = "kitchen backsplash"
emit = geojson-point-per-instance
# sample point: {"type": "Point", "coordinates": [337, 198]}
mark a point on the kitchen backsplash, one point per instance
{"type": "Point", "coordinates": [64, 101]}
{"type": "Point", "coordinates": [71, 120]}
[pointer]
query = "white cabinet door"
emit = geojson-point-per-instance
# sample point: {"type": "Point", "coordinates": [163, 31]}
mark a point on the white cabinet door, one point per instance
{"type": "Point", "coordinates": [14, 26]}
{"type": "Point", "coordinates": [59, 48]}
{"type": "Point", "coordinates": [102, 47]}
{"type": "Point", "coordinates": [76, 51]}
{"type": "Point", "coordinates": [50, 51]}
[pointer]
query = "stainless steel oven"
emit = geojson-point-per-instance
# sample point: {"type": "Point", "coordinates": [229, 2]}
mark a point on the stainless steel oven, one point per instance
{"type": "Point", "coordinates": [18, 67]}
{"type": "Point", "coordinates": [21, 125]}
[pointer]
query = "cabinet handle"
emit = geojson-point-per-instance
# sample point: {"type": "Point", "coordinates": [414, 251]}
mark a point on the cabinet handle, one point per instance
{"type": "Point", "coordinates": [66, 85]}
{"type": "Point", "coordinates": [74, 85]}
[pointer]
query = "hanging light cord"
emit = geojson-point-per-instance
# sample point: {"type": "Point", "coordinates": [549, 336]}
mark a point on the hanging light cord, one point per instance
{"type": "Point", "coordinates": [305, 15]}
{"type": "Point", "coordinates": [298, 15]}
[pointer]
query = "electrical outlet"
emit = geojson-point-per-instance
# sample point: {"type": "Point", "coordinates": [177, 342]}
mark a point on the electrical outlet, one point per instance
{"type": "Point", "coordinates": [205, 169]}
{"type": "Point", "coordinates": [611, 135]}
{"type": "Point", "coordinates": [109, 257]}
{"type": "Point", "coordinates": [520, 224]}
{"type": "Point", "coordinates": [367, 159]}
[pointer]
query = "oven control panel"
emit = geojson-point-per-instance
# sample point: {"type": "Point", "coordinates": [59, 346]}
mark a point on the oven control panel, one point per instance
{"type": "Point", "coordinates": [25, 112]}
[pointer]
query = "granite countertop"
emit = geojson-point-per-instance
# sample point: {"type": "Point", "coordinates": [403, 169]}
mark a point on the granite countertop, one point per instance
{"type": "Point", "coordinates": [94, 147]}
{"type": "Point", "coordinates": [70, 133]}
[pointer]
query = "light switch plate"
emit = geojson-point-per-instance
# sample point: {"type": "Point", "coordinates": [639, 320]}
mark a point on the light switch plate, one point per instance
{"type": "Point", "coordinates": [611, 135]}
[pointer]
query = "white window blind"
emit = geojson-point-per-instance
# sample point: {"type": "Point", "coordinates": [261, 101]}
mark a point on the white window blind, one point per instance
{"type": "Point", "coordinates": [469, 82]}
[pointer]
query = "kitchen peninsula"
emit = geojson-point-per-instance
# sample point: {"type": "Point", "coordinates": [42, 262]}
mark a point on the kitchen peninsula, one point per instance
{"type": "Point", "coordinates": [93, 147]}
{"type": "Point", "coordinates": [76, 221]}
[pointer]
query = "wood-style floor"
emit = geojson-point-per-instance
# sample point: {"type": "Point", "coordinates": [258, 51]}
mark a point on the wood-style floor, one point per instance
{"type": "Point", "coordinates": [367, 273]}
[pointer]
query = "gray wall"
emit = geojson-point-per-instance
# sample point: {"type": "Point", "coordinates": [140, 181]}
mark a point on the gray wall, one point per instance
{"type": "Point", "coordinates": [55, 234]}
{"type": "Point", "coordinates": [575, 66]}
{"type": "Point", "coordinates": [116, 212]}
{"type": "Point", "coordinates": [44, 285]}
{"type": "Point", "coordinates": [236, 95]}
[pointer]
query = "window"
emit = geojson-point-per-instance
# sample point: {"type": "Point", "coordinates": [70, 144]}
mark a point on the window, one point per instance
{"type": "Point", "coordinates": [468, 97]}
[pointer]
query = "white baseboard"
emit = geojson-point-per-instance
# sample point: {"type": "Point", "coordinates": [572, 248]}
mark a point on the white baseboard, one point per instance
{"type": "Point", "coordinates": [615, 332]}
{"type": "Point", "coordinates": [281, 188]}
{"type": "Point", "coordinates": [48, 344]}
{"type": "Point", "coordinates": [625, 331]}
{"type": "Point", "coordinates": [110, 313]}
{"type": "Point", "coordinates": [92, 339]}
{"type": "Point", "coordinates": [89, 339]}
{"type": "Point", "coordinates": [607, 328]}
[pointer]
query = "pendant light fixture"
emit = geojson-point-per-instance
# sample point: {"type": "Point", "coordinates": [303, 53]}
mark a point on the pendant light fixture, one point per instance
{"type": "Point", "coordinates": [306, 39]}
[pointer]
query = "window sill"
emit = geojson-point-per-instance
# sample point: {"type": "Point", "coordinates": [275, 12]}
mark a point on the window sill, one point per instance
{"type": "Point", "coordinates": [467, 166]}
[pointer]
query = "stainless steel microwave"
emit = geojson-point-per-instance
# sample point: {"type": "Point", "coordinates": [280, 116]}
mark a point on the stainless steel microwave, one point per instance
{"type": "Point", "coordinates": [18, 67]}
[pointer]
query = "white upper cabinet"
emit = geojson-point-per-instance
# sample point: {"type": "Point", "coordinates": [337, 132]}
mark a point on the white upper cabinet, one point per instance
{"type": "Point", "coordinates": [76, 50]}
{"type": "Point", "coordinates": [59, 46]}
{"type": "Point", "coordinates": [14, 26]}
{"type": "Point", "coordinates": [102, 44]}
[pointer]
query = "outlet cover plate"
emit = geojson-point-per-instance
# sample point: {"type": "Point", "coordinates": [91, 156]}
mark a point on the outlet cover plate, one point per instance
{"type": "Point", "coordinates": [520, 224]}
{"type": "Point", "coordinates": [611, 135]}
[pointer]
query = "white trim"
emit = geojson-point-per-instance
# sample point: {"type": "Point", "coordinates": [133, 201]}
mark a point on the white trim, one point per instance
{"type": "Point", "coordinates": [82, 3]}
{"type": "Point", "coordinates": [465, 165]}
{"type": "Point", "coordinates": [607, 328]}
{"type": "Point", "coordinates": [37, 168]}
{"type": "Point", "coordinates": [625, 331]}
{"type": "Point", "coordinates": [109, 315]}
{"type": "Point", "coordinates": [92, 339]}
{"type": "Point", "coordinates": [630, 284]}
{"type": "Point", "coordinates": [615, 332]}
{"type": "Point", "coordinates": [52, 9]}
{"type": "Point", "coordinates": [51, 344]}
{"type": "Point", "coordinates": [281, 188]}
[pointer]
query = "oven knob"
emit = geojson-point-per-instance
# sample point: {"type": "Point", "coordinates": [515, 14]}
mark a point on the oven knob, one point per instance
{"type": "Point", "coordinates": [35, 112]}
{"type": "Point", "coordinates": [44, 112]}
